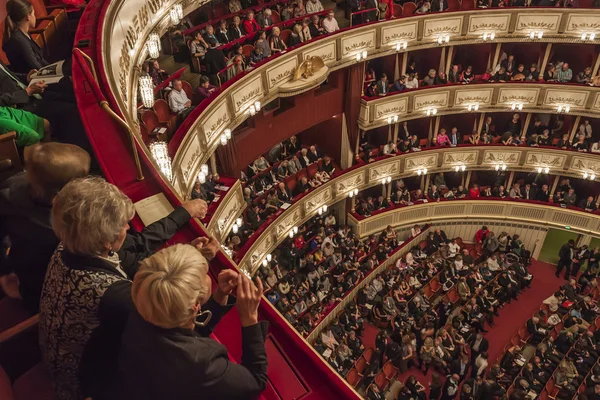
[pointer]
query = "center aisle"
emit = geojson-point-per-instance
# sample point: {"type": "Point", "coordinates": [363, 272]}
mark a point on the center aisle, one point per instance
{"type": "Point", "coordinates": [511, 318]}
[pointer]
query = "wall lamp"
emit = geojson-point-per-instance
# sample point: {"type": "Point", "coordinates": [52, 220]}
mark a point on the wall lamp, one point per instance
{"type": "Point", "coordinates": [490, 36]}
{"type": "Point", "coordinates": [392, 119]}
{"type": "Point", "coordinates": [322, 209]}
{"type": "Point", "coordinates": [267, 260]}
{"type": "Point", "coordinates": [500, 166]}
{"type": "Point", "coordinates": [160, 153]}
{"type": "Point", "coordinates": [352, 193]}
{"type": "Point", "coordinates": [401, 45]}
{"type": "Point", "coordinates": [516, 106]}
{"type": "Point", "coordinates": [431, 111]}
{"type": "Point", "coordinates": [254, 108]}
{"type": "Point", "coordinates": [202, 174]}
{"type": "Point", "coordinates": [384, 181]}
{"type": "Point", "coordinates": [146, 91]}
{"type": "Point", "coordinates": [588, 36]}
{"type": "Point", "coordinates": [422, 171]}
{"type": "Point", "coordinates": [293, 232]}
{"type": "Point", "coordinates": [536, 35]}
{"type": "Point", "coordinates": [543, 169]}
{"type": "Point", "coordinates": [461, 167]}
{"type": "Point", "coordinates": [591, 176]}
{"type": "Point", "coordinates": [174, 16]}
{"type": "Point", "coordinates": [473, 107]}
{"type": "Point", "coordinates": [445, 38]}
{"type": "Point", "coordinates": [225, 136]}
{"type": "Point", "coordinates": [563, 109]}
{"type": "Point", "coordinates": [361, 56]}
{"type": "Point", "coordinates": [237, 225]}
{"type": "Point", "coordinates": [153, 48]}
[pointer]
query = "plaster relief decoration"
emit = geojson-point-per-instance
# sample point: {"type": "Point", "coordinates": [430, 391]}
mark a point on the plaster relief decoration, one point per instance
{"type": "Point", "coordinates": [281, 73]}
{"type": "Point", "coordinates": [227, 213]}
{"type": "Point", "coordinates": [288, 223]}
{"type": "Point", "coordinates": [488, 23]}
{"type": "Point", "coordinates": [363, 114]}
{"type": "Point", "coordinates": [390, 35]}
{"type": "Point", "coordinates": [249, 91]}
{"type": "Point", "coordinates": [318, 199]}
{"type": "Point", "coordinates": [190, 160]}
{"type": "Point", "coordinates": [462, 157]}
{"type": "Point", "coordinates": [501, 156]}
{"type": "Point", "coordinates": [538, 22]}
{"type": "Point", "coordinates": [524, 96]}
{"type": "Point", "coordinates": [466, 97]}
{"type": "Point", "coordinates": [435, 100]}
{"type": "Point", "coordinates": [585, 164]}
{"type": "Point", "coordinates": [218, 118]}
{"type": "Point", "coordinates": [385, 170]}
{"type": "Point", "coordinates": [539, 159]}
{"type": "Point", "coordinates": [597, 102]}
{"type": "Point", "coordinates": [350, 183]}
{"type": "Point", "coordinates": [573, 98]}
{"type": "Point", "coordinates": [422, 161]}
{"type": "Point", "coordinates": [578, 23]}
{"type": "Point", "coordinates": [262, 249]}
{"type": "Point", "coordinates": [391, 108]}
{"type": "Point", "coordinates": [432, 28]}
{"type": "Point", "coordinates": [355, 43]}
{"type": "Point", "coordinates": [326, 52]}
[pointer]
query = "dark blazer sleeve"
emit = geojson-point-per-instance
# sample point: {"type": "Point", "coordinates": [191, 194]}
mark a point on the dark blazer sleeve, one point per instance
{"type": "Point", "coordinates": [140, 245]}
{"type": "Point", "coordinates": [217, 311]}
{"type": "Point", "coordinates": [10, 94]}
{"type": "Point", "coordinates": [20, 48]}
{"type": "Point", "coordinates": [240, 381]}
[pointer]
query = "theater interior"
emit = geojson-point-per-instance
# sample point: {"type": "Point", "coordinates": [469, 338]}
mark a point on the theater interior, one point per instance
{"type": "Point", "coordinates": [403, 177]}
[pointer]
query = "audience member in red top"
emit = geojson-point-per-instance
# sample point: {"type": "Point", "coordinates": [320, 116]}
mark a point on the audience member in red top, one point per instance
{"type": "Point", "coordinates": [299, 243]}
{"type": "Point", "coordinates": [250, 24]}
{"type": "Point", "coordinates": [474, 191]}
{"type": "Point", "coordinates": [481, 234]}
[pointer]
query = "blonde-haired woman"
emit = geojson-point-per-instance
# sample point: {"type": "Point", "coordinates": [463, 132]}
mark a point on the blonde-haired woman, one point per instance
{"type": "Point", "coordinates": [277, 44]}
{"type": "Point", "coordinates": [427, 354]}
{"type": "Point", "coordinates": [166, 352]}
{"type": "Point", "coordinates": [86, 296]}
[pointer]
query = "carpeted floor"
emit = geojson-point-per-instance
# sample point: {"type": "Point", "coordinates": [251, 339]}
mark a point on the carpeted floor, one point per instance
{"type": "Point", "coordinates": [511, 318]}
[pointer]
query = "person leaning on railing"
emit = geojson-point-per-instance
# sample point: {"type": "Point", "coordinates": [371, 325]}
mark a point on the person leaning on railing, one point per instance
{"type": "Point", "coordinates": [166, 352]}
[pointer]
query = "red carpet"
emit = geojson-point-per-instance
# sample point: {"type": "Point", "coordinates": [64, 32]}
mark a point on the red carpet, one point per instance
{"type": "Point", "coordinates": [511, 318]}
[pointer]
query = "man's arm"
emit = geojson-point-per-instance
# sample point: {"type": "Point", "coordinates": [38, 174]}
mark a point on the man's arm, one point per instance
{"type": "Point", "coordinates": [140, 245]}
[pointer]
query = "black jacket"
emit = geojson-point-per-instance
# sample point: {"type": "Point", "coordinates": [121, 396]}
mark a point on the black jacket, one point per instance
{"type": "Point", "coordinates": [11, 94]}
{"type": "Point", "coordinates": [223, 37]}
{"type": "Point", "coordinates": [157, 363]}
{"type": "Point", "coordinates": [214, 60]}
{"type": "Point", "coordinates": [236, 33]}
{"type": "Point", "coordinates": [23, 53]}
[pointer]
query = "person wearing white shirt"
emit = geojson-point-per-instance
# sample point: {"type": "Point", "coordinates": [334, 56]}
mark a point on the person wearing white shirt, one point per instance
{"type": "Point", "coordinates": [313, 6]}
{"type": "Point", "coordinates": [596, 147]}
{"type": "Point", "coordinates": [179, 102]}
{"type": "Point", "coordinates": [330, 24]}
{"type": "Point", "coordinates": [493, 263]}
{"type": "Point", "coordinates": [412, 82]}
{"type": "Point", "coordinates": [415, 231]}
{"type": "Point", "coordinates": [453, 248]}
{"type": "Point", "coordinates": [481, 363]}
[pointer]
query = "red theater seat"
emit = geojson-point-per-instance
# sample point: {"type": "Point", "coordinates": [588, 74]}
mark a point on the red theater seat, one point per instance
{"type": "Point", "coordinates": [397, 10]}
{"type": "Point", "coordinates": [285, 34]}
{"type": "Point", "coordinates": [408, 9]}
{"type": "Point", "coordinates": [164, 114]}
{"type": "Point", "coordinates": [353, 377]}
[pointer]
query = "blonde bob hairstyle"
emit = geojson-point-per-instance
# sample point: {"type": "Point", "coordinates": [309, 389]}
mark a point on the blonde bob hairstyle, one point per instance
{"type": "Point", "coordinates": [88, 214]}
{"type": "Point", "coordinates": [168, 284]}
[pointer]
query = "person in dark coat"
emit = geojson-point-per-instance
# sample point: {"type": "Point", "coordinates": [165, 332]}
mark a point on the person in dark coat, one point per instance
{"type": "Point", "coordinates": [86, 296]}
{"type": "Point", "coordinates": [214, 60]}
{"type": "Point", "coordinates": [166, 352]}
{"type": "Point", "coordinates": [450, 390]}
{"type": "Point", "coordinates": [25, 205]}
{"type": "Point", "coordinates": [565, 255]}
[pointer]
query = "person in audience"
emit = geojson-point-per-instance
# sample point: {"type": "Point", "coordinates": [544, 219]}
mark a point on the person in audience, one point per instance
{"type": "Point", "coordinates": [294, 38]}
{"type": "Point", "coordinates": [330, 24]}
{"type": "Point", "coordinates": [400, 84]}
{"type": "Point", "coordinates": [429, 80]}
{"type": "Point", "coordinates": [29, 128]}
{"type": "Point", "coordinates": [275, 42]}
{"type": "Point", "coordinates": [315, 28]}
{"type": "Point", "coordinates": [235, 66]}
{"type": "Point", "coordinates": [234, 6]}
{"type": "Point", "coordinates": [424, 9]}
{"type": "Point", "coordinates": [454, 74]}
{"type": "Point", "coordinates": [86, 296]}
{"type": "Point", "coordinates": [564, 73]}
{"type": "Point", "coordinates": [264, 19]}
{"type": "Point", "coordinates": [500, 76]}
{"type": "Point", "coordinates": [250, 24]}
{"type": "Point", "coordinates": [179, 103]}
{"type": "Point", "coordinates": [467, 75]}
{"type": "Point", "coordinates": [158, 74]}
{"type": "Point", "coordinates": [214, 60]}
{"type": "Point", "coordinates": [442, 139]}
{"type": "Point", "coordinates": [305, 30]}
{"type": "Point", "coordinates": [313, 6]}
{"type": "Point", "coordinates": [209, 33]}
{"type": "Point", "coordinates": [175, 310]}
{"type": "Point", "coordinates": [25, 202]}
{"type": "Point", "coordinates": [585, 76]}
{"type": "Point", "coordinates": [204, 91]}
{"type": "Point", "coordinates": [236, 30]}
{"type": "Point", "coordinates": [222, 34]}
{"type": "Point", "coordinates": [440, 78]}
{"type": "Point", "coordinates": [383, 85]}
{"type": "Point", "coordinates": [23, 53]}
{"type": "Point", "coordinates": [198, 45]}
{"type": "Point", "coordinates": [412, 82]}
{"type": "Point", "coordinates": [263, 43]}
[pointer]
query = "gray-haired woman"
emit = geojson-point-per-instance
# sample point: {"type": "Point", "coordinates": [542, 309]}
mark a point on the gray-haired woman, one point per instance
{"type": "Point", "coordinates": [166, 352]}
{"type": "Point", "coordinates": [86, 297]}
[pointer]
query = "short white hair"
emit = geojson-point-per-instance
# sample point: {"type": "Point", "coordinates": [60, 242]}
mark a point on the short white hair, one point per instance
{"type": "Point", "coordinates": [89, 213]}
{"type": "Point", "coordinates": [168, 284]}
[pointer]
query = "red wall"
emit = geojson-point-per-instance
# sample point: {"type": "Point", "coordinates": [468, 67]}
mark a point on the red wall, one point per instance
{"type": "Point", "coordinates": [309, 110]}
{"type": "Point", "coordinates": [327, 134]}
